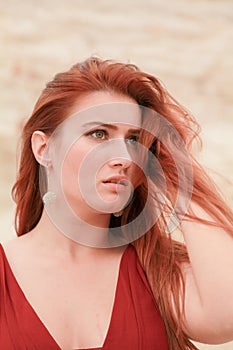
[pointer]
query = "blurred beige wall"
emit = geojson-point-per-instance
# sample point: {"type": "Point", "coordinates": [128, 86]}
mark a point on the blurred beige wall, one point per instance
{"type": "Point", "coordinates": [187, 44]}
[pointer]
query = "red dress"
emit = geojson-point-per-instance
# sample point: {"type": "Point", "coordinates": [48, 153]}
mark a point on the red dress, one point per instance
{"type": "Point", "coordinates": [135, 322]}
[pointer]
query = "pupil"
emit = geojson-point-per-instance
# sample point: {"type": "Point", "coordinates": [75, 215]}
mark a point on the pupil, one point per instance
{"type": "Point", "coordinates": [99, 134]}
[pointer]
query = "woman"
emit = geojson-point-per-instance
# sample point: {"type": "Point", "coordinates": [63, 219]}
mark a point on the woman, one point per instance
{"type": "Point", "coordinates": [106, 163]}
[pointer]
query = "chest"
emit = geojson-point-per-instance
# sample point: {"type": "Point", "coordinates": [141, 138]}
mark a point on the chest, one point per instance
{"type": "Point", "coordinates": [75, 305]}
{"type": "Point", "coordinates": [78, 316]}
{"type": "Point", "coordinates": [91, 308]}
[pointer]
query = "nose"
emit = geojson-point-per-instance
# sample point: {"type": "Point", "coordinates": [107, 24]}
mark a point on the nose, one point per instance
{"type": "Point", "coordinates": [120, 155]}
{"type": "Point", "coordinates": [120, 162]}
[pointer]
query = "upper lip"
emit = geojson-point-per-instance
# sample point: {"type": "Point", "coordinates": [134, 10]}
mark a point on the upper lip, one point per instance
{"type": "Point", "coordinates": [117, 179]}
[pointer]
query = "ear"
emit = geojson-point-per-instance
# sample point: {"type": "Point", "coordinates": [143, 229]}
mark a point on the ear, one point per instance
{"type": "Point", "coordinates": [39, 143]}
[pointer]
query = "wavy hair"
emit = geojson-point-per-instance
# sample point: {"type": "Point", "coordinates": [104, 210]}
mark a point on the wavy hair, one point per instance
{"type": "Point", "coordinates": [161, 256]}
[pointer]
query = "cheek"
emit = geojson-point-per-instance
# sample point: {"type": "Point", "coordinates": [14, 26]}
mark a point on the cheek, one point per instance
{"type": "Point", "coordinates": [71, 166]}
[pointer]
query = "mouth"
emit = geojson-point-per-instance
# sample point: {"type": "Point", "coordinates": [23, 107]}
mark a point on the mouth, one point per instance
{"type": "Point", "coordinates": [116, 183]}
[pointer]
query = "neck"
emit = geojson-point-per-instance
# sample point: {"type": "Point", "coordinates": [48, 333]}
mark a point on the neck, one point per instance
{"type": "Point", "coordinates": [84, 237]}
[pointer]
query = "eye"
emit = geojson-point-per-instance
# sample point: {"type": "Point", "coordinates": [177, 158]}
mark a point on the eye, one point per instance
{"type": "Point", "coordinates": [98, 134]}
{"type": "Point", "coordinates": [133, 139]}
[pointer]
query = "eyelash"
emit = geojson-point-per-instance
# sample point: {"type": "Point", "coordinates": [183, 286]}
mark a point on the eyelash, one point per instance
{"type": "Point", "coordinates": [93, 132]}
{"type": "Point", "coordinates": [131, 138]}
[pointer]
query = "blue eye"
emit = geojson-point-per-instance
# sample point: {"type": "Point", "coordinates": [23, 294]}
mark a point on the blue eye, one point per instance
{"type": "Point", "coordinates": [133, 140]}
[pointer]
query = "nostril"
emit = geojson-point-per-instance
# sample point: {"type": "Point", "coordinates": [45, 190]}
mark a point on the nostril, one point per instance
{"type": "Point", "coordinates": [124, 162]}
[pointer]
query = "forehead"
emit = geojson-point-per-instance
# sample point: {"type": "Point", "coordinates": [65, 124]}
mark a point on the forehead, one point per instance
{"type": "Point", "coordinates": [105, 107]}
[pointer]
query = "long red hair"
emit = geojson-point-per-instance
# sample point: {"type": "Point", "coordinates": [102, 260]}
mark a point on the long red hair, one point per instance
{"type": "Point", "coordinates": [160, 255]}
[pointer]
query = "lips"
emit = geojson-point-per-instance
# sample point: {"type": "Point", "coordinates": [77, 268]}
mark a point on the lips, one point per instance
{"type": "Point", "coordinates": [117, 184]}
{"type": "Point", "coordinates": [119, 180]}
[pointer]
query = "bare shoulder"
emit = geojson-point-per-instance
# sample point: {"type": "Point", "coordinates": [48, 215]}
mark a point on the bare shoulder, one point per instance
{"type": "Point", "coordinates": [18, 251]}
{"type": "Point", "coordinates": [16, 246]}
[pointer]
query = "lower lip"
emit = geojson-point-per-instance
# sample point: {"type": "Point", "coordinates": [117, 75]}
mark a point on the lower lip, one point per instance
{"type": "Point", "coordinates": [115, 187]}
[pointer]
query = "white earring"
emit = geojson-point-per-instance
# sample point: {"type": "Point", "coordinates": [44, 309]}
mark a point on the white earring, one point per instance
{"type": "Point", "coordinates": [49, 198]}
{"type": "Point", "coordinates": [118, 213]}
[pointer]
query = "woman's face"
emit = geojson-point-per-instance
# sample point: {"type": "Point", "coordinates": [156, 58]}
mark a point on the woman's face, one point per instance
{"type": "Point", "coordinates": [97, 151]}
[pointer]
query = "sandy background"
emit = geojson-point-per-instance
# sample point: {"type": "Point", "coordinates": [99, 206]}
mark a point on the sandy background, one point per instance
{"type": "Point", "coordinates": [187, 44]}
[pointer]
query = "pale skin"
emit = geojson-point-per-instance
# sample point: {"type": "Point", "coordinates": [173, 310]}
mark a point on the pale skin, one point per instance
{"type": "Point", "coordinates": [56, 273]}
{"type": "Point", "coordinates": [209, 282]}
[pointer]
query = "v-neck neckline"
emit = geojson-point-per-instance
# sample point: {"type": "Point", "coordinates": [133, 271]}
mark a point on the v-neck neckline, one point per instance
{"type": "Point", "coordinates": [36, 316]}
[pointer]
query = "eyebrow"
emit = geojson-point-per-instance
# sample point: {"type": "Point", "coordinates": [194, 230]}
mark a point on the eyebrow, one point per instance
{"type": "Point", "coordinates": [109, 126]}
